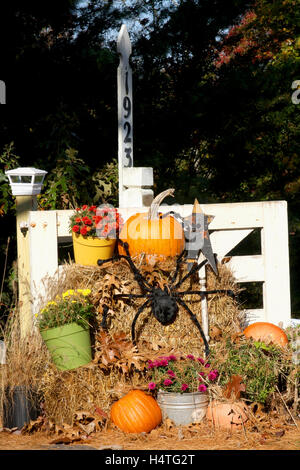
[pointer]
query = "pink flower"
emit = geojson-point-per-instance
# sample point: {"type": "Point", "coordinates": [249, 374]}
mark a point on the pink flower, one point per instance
{"type": "Point", "coordinates": [201, 375]}
{"type": "Point", "coordinates": [160, 363]}
{"type": "Point", "coordinates": [172, 358]}
{"type": "Point", "coordinates": [202, 388]}
{"type": "Point", "coordinates": [163, 362]}
{"type": "Point", "coordinates": [207, 365]}
{"type": "Point", "coordinates": [212, 375]}
{"type": "Point", "coordinates": [171, 373]}
{"type": "Point", "coordinates": [184, 387]}
{"type": "Point", "coordinates": [151, 385]}
{"type": "Point", "coordinates": [167, 382]}
{"type": "Point", "coordinates": [150, 365]}
{"type": "Point", "coordinates": [190, 356]}
{"type": "Point", "coordinates": [199, 359]}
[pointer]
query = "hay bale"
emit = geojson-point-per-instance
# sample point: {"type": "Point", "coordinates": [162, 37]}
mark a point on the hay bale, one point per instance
{"type": "Point", "coordinates": [65, 393]}
{"type": "Point", "coordinates": [117, 277]}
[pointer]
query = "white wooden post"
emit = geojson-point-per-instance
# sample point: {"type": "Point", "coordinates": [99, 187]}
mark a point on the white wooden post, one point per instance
{"type": "Point", "coordinates": [24, 206]}
{"type": "Point", "coordinates": [134, 183]}
{"type": "Point", "coordinates": [125, 108]}
{"type": "Point", "coordinates": [275, 249]}
{"type": "Point", "coordinates": [204, 310]}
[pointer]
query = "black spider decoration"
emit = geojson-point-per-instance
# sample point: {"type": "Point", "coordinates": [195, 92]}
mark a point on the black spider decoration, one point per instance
{"type": "Point", "coordinates": [163, 302]}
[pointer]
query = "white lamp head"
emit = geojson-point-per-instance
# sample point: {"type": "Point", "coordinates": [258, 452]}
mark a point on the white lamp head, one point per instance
{"type": "Point", "coordinates": [26, 181]}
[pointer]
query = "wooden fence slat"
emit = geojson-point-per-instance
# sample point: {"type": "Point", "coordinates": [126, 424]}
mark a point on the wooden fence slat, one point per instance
{"type": "Point", "coordinates": [63, 217]}
{"type": "Point", "coordinates": [275, 249]}
{"type": "Point", "coordinates": [43, 253]}
{"type": "Point", "coordinates": [223, 241]}
{"type": "Point", "coordinates": [247, 268]}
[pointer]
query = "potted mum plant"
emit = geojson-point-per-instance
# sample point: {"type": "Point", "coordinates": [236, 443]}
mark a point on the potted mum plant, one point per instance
{"type": "Point", "coordinates": [181, 384]}
{"type": "Point", "coordinates": [94, 232]}
{"type": "Point", "coordinates": [65, 328]}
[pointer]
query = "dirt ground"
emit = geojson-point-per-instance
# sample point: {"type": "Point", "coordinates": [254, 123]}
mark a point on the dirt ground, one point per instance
{"type": "Point", "coordinates": [277, 435]}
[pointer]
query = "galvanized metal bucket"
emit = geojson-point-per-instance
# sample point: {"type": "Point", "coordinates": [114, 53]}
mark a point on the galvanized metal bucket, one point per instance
{"type": "Point", "coordinates": [183, 408]}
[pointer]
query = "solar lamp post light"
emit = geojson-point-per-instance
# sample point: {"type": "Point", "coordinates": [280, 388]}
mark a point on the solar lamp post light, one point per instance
{"type": "Point", "coordinates": [26, 183]}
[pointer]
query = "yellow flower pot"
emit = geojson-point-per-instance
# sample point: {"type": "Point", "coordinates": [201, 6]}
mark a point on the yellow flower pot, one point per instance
{"type": "Point", "coordinates": [87, 250]}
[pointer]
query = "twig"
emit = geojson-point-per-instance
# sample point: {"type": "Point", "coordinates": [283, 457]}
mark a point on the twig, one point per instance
{"type": "Point", "coordinates": [286, 406]}
{"type": "Point", "coordinates": [296, 398]}
{"type": "Point", "coordinates": [4, 269]}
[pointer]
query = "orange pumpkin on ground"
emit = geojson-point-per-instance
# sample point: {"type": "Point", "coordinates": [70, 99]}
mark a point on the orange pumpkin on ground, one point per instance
{"type": "Point", "coordinates": [229, 416]}
{"type": "Point", "coordinates": [152, 234]}
{"type": "Point", "coordinates": [266, 332]}
{"type": "Point", "coordinates": [136, 412]}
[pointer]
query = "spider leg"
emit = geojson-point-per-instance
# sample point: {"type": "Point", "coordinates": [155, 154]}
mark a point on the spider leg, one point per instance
{"type": "Point", "coordinates": [193, 270]}
{"type": "Point", "coordinates": [202, 293]}
{"type": "Point", "coordinates": [113, 258]}
{"type": "Point", "coordinates": [195, 320]}
{"type": "Point", "coordinates": [137, 275]}
{"type": "Point", "coordinates": [142, 307]}
{"type": "Point", "coordinates": [178, 263]}
{"type": "Point", "coordinates": [104, 317]}
{"type": "Point", "coordinates": [131, 296]}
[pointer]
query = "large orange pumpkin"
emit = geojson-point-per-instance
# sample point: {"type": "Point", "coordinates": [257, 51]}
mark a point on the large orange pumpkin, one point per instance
{"type": "Point", "coordinates": [136, 412]}
{"type": "Point", "coordinates": [266, 332]}
{"type": "Point", "coordinates": [152, 234]}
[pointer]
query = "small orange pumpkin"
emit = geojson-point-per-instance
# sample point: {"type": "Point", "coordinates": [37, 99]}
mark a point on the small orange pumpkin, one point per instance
{"type": "Point", "coordinates": [229, 416]}
{"type": "Point", "coordinates": [136, 412]}
{"type": "Point", "coordinates": [266, 332]}
{"type": "Point", "coordinates": [152, 234]}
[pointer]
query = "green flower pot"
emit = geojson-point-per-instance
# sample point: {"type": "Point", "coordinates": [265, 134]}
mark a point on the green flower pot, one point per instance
{"type": "Point", "coordinates": [69, 345]}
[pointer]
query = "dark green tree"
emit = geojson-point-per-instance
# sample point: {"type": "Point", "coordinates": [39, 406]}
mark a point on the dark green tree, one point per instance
{"type": "Point", "coordinates": [173, 68]}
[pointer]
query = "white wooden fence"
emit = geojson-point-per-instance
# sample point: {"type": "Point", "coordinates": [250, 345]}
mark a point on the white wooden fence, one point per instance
{"type": "Point", "coordinates": [231, 224]}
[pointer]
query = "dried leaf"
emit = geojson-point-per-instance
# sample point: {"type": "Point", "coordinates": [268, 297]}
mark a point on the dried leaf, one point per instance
{"type": "Point", "coordinates": [168, 423]}
{"type": "Point", "coordinates": [234, 387]}
{"type": "Point", "coordinates": [33, 426]}
{"type": "Point", "coordinates": [65, 440]}
{"type": "Point", "coordinates": [88, 428]}
{"type": "Point", "coordinates": [2, 212]}
{"type": "Point", "coordinates": [235, 337]}
{"type": "Point", "coordinates": [215, 333]}
{"type": "Point", "coordinates": [119, 352]}
{"type": "Point", "coordinates": [100, 412]}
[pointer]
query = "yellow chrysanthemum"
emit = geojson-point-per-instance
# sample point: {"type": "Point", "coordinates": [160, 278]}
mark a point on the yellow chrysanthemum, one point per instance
{"type": "Point", "coordinates": [51, 302]}
{"type": "Point", "coordinates": [84, 292]}
{"type": "Point", "coordinates": [69, 293]}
